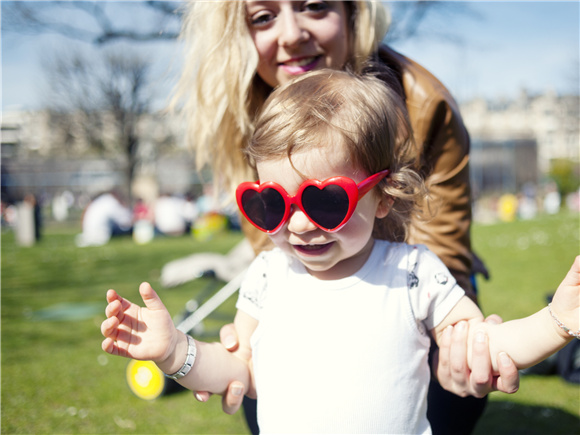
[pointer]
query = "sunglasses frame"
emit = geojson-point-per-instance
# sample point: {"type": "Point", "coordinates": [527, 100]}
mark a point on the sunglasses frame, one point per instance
{"type": "Point", "coordinates": [354, 191]}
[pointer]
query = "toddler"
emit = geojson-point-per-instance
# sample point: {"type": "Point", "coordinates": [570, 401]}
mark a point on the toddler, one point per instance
{"type": "Point", "coordinates": [334, 323]}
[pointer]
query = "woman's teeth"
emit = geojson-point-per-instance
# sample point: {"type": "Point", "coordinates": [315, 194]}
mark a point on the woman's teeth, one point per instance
{"type": "Point", "coordinates": [301, 62]}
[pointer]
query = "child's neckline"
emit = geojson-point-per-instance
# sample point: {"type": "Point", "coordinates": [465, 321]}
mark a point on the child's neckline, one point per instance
{"type": "Point", "coordinates": [348, 281]}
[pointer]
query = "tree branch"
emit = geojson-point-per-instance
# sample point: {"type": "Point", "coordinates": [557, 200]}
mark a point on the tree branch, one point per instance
{"type": "Point", "coordinates": [20, 17]}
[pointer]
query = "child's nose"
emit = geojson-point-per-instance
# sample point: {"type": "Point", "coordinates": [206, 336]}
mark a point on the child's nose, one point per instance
{"type": "Point", "coordinates": [298, 223]}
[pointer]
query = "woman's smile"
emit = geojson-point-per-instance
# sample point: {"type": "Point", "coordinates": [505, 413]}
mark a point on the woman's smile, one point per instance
{"type": "Point", "coordinates": [292, 37]}
{"type": "Point", "coordinates": [300, 65]}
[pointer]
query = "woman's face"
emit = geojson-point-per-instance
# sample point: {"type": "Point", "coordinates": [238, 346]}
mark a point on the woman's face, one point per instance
{"type": "Point", "coordinates": [294, 37]}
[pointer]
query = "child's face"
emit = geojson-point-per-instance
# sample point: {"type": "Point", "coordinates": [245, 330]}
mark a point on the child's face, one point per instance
{"type": "Point", "coordinates": [326, 255]}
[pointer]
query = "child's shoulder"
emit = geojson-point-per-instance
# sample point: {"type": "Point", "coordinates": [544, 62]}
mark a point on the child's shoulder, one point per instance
{"type": "Point", "coordinates": [399, 248]}
{"type": "Point", "coordinates": [406, 256]}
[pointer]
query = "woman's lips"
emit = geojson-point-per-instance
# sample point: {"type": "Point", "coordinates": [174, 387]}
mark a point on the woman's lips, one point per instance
{"type": "Point", "coordinates": [312, 250]}
{"type": "Point", "coordinates": [300, 66]}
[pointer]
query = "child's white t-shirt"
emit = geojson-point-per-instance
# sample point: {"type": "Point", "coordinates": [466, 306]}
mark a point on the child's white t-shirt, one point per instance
{"type": "Point", "coordinates": [349, 355]}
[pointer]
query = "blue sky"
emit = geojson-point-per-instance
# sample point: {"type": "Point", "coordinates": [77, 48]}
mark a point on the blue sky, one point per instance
{"type": "Point", "coordinates": [23, 56]}
{"type": "Point", "coordinates": [507, 46]}
{"type": "Point", "coordinates": [513, 45]}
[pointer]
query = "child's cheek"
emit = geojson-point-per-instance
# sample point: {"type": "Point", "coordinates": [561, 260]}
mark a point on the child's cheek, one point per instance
{"type": "Point", "coordinates": [278, 239]}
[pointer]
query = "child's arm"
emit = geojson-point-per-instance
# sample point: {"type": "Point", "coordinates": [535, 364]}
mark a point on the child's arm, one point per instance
{"type": "Point", "coordinates": [527, 341]}
{"type": "Point", "coordinates": [149, 334]}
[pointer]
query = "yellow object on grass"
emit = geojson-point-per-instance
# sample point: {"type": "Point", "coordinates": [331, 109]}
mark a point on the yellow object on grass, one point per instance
{"type": "Point", "coordinates": [145, 379]}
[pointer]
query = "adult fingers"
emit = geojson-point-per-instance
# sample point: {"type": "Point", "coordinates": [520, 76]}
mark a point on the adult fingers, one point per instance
{"type": "Point", "coordinates": [493, 319]}
{"type": "Point", "coordinates": [229, 337]}
{"type": "Point", "coordinates": [233, 397]}
{"type": "Point", "coordinates": [481, 371]}
{"type": "Point", "coordinates": [201, 396]}
{"type": "Point", "coordinates": [508, 380]}
{"type": "Point", "coordinates": [458, 356]}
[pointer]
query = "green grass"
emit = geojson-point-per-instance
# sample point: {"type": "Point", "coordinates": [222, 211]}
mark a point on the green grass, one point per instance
{"type": "Point", "coordinates": [527, 261]}
{"type": "Point", "coordinates": [56, 379]}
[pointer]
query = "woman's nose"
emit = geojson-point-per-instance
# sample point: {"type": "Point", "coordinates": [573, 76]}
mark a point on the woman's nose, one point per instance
{"type": "Point", "coordinates": [298, 223]}
{"type": "Point", "coordinates": [291, 32]}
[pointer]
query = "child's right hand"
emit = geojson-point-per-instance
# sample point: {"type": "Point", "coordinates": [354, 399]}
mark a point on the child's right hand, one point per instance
{"type": "Point", "coordinates": [566, 301]}
{"type": "Point", "coordinates": [136, 332]}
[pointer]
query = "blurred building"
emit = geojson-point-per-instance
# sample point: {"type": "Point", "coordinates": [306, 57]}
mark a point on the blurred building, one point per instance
{"type": "Point", "coordinates": [514, 141]}
{"type": "Point", "coordinates": [39, 158]}
{"type": "Point", "coordinates": [503, 165]}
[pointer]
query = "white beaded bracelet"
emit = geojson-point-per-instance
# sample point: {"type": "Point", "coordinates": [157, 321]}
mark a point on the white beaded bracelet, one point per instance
{"type": "Point", "coordinates": [567, 330]}
{"type": "Point", "coordinates": [189, 360]}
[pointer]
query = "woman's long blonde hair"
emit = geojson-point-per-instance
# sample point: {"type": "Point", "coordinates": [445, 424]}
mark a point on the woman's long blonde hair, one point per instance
{"type": "Point", "coordinates": [219, 92]}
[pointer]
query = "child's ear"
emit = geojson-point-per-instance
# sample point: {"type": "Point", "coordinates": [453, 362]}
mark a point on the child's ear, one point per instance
{"type": "Point", "coordinates": [384, 206]}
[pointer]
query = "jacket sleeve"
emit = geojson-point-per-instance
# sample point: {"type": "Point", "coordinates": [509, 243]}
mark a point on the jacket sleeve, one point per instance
{"type": "Point", "coordinates": [445, 166]}
{"type": "Point", "coordinates": [442, 147]}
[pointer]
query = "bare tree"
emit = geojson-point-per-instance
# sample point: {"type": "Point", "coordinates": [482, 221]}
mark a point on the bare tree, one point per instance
{"type": "Point", "coordinates": [165, 18]}
{"type": "Point", "coordinates": [75, 102]}
{"type": "Point", "coordinates": [98, 104]}
{"type": "Point", "coordinates": [408, 18]}
{"type": "Point", "coordinates": [95, 22]}
{"type": "Point", "coordinates": [87, 91]}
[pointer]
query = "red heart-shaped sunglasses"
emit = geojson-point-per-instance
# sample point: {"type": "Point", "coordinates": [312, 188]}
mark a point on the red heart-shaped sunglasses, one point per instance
{"type": "Point", "coordinates": [328, 204]}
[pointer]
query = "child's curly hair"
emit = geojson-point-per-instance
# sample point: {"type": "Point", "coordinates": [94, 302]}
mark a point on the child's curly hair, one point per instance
{"type": "Point", "coordinates": [362, 112]}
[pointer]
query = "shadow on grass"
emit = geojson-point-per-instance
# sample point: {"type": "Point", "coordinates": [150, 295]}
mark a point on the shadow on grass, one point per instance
{"type": "Point", "coordinates": [504, 417]}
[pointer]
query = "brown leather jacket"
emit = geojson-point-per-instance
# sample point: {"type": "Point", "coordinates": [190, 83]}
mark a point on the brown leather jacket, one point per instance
{"type": "Point", "coordinates": [442, 145]}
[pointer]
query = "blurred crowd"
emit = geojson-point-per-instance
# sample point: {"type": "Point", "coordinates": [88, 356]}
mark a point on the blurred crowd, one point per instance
{"type": "Point", "coordinates": [109, 214]}
{"type": "Point", "coordinates": [527, 204]}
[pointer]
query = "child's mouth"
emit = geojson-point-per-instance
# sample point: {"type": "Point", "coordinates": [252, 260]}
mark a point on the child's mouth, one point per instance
{"type": "Point", "coordinates": [312, 249]}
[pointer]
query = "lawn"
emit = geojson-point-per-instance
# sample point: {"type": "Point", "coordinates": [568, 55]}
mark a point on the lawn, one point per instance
{"type": "Point", "coordinates": [56, 379]}
{"type": "Point", "coordinates": [527, 261]}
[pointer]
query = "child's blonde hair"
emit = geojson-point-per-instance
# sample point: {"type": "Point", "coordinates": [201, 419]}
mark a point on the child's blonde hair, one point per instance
{"type": "Point", "coordinates": [361, 113]}
{"type": "Point", "coordinates": [219, 91]}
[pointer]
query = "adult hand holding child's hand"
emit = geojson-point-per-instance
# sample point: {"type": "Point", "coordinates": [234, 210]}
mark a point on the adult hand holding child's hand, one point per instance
{"type": "Point", "coordinates": [233, 397]}
{"type": "Point", "coordinates": [453, 373]}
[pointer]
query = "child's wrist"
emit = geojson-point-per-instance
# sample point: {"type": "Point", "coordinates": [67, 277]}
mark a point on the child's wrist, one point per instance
{"type": "Point", "coordinates": [189, 360]}
{"type": "Point", "coordinates": [177, 357]}
{"type": "Point", "coordinates": [565, 330]}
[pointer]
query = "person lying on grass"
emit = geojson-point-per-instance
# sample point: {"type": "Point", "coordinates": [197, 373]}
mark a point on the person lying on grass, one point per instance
{"type": "Point", "coordinates": [332, 311]}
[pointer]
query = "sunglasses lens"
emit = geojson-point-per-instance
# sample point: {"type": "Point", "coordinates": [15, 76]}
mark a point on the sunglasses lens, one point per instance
{"type": "Point", "coordinates": [265, 209]}
{"type": "Point", "coordinates": [327, 207]}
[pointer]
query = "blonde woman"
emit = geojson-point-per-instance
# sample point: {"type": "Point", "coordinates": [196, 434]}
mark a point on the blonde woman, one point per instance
{"type": "Point", "coordinates": [237, 52]}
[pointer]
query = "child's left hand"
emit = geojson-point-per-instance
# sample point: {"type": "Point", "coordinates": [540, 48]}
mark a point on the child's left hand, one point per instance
{"type": "Point", "coordinates": [566, 301]}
